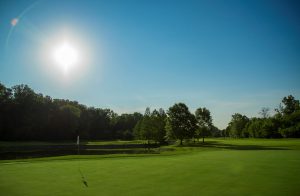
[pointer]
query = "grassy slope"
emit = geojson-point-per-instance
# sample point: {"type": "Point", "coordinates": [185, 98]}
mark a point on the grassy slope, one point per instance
{"type": "Point", "coordinates": [220, 169]}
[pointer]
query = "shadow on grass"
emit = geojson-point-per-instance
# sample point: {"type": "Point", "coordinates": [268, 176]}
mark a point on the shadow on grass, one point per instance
{"type": "Point", "coordinates": [39, 151]}
{"type": "Point", "coordinates": [220, 145]}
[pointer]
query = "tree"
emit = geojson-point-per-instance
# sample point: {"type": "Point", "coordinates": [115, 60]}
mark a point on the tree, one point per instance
{"type": "Point", "coordinates": [265, 112]}
{"type": "Point", "coordinates": [293, 131]}
{"type": "Point", "coordinates": [146, 130]}
{"type": "Point", "coordinates": [289, 106]}
{"type": "Point", "coordinates": [204, 122]}
{"type": "Point", "coordinates": [24, 110]}
{"type": "Point", "coordinates": [289, 116]}
{"type": "Point", "coordinates": [147, 112]}
{"type": "Point", "coordinates": [290, 125]}
{"type": "Point", "coordinates": [69, 116]}
{"type": "Point", "coordinates": [215, 131]}
{"type": "Point", "coordinates": [237, 125]}
{"type": "Point", "coordinates": [180, 122]}
{"type": "Point", "coordinates": [6, 104]}
{"type": "Point", "coordinates": [158, 125]}
{"type": "Point", "coordinates": [151, 127]}
{"type": "Point", "coordinates": [262, 128]}
{"type": "Point", "coordinates": [137, 129]}
{"type": "Point", "coordinates": [125, 123]}
{"type": "Point", "coordinates": [253, 127]}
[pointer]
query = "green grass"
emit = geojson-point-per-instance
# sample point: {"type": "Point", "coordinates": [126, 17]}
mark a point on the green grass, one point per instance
{"type": "Point", "coordinates": [219, 167]}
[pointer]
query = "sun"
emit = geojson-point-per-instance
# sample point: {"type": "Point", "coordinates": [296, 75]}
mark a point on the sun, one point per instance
{"type": "Point", "coordinates": [66, 56]}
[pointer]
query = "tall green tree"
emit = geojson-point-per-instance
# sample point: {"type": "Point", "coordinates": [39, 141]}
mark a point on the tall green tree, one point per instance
{"type": "Point", "coordinates": [6, 104]}
{"type": "Point", "coordinates": [204, 122]}
{"type": "Point", "coordinates": [137, 129]}
{"type": "Point", "coordinates": [158, 125]}
{"type": "Point", "coordinates": [289, 115]}
{"type": "Point", "coordinates": [181, 123]}
{"type": "Point", "coordinates": [146, 127]}
{"type": "Point", "coordinates": [151, 126]}
{"type": "Point", "coordinates": [237, 125]}
{"type": "Point", "coordinates": [288, 105]}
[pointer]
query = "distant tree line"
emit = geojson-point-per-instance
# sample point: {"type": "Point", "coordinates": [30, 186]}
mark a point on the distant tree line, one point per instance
{"type": "Point", "coordinates": [284, 123]}
{"type": "Point", "coordinates": [26, 115]}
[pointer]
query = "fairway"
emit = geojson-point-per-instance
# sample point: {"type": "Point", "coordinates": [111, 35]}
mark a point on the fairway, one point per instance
{"type": "Point", "coordinates": [220, 167]}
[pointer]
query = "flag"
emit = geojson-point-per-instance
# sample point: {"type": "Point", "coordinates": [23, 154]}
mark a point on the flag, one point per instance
{"type": "Point", "coordinates": [78, 140]}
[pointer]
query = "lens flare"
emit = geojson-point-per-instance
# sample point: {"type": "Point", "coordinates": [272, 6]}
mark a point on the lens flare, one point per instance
{"type": "Point", "coordinates": [14, 22]}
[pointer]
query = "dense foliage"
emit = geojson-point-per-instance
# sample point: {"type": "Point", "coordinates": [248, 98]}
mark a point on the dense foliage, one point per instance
{"type": "Point", "coordinates": [151, 126]}
{"type": "Point", "coordinates": [204, 123]}
{"type": "Point", "coordinates": [181, 124]}
{"type": "Point", "coordinates": [285, 123]}
{"type": "Point", "coordinates": [26, 115]}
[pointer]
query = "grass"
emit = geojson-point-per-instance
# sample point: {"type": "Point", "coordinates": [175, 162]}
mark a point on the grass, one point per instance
{"type": "Point", "coordinates": [218, 167]}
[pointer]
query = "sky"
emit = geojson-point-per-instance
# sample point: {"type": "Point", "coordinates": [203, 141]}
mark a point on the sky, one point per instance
{"type": "Point", "coordinates": [228, 56]}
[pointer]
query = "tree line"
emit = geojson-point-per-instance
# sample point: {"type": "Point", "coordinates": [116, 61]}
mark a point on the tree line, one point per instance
{"type": "Point", "coordinates": [26, 115]}
{"type": "Point", "coordinates": [284, 123]}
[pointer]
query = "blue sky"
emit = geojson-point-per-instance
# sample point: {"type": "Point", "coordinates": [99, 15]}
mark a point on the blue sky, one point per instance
{"type": "Point", "coordinates": [228, 56]}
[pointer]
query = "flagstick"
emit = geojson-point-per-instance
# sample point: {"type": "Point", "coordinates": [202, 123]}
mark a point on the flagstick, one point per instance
{"type": "Point", "coordinates": [78, 152]}
{"type": "Point", "coordinates": [78, 145]}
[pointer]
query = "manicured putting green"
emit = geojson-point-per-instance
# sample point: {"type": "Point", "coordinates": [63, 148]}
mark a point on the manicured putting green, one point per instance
{"type": "Point", "coordinates": [227, 170]}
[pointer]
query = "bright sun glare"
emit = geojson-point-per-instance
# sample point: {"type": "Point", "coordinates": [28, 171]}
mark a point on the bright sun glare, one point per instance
{"type": "Point", "coordinates": [66, 56]}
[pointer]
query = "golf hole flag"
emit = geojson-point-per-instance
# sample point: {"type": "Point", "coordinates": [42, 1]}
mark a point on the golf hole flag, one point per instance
{"type": "Point", "coordinates": [78, 140]}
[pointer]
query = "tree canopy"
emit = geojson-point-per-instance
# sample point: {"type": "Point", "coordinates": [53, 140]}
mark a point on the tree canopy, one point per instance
{"type": "Point", "coordinates": [181, 123]}
{"type": "Point", "coordinates": [26, 115]}
{"type": "Point", "coordinates": [285, 123]}
{"type": "Point", "coordinates": [204, 122]}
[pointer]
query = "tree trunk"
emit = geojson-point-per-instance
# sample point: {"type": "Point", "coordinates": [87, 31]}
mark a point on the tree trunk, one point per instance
{"type": "Point", "coordinates": [203, 139]}
{"type": "Point", "coordinates": [180, 141]}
